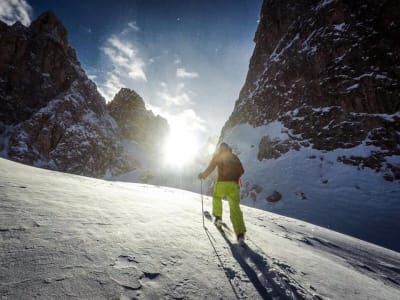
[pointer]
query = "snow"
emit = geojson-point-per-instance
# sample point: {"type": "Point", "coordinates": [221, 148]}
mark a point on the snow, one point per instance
{"type": "Point", "coordinates": [66, 236]}
{"type": "Point", "coordinates": [90, 117]}
{"type": "Point", "coordinates": [306, 44]}
{"type": "Point", "coordinates": [276, 56]}
{"type": "Point", "coordinates": [387, 117]}
{"type": "Point", "coordinates": [354, 201]}
{"type": "Point", "coordinates": [340, 58]}
{"type": "Point", "coordinates": [324, 3]}
{"type": "Point", "coordinates": [340, 27]}
{"type": "Point", "coordinates": [324, 109]}
{"type": "Point", "coordinates": [394, 159]}
{"type": "Point", "coordinates": [353, 87]}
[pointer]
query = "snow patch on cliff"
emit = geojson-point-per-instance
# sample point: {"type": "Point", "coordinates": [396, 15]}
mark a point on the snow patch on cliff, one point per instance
{"type": "Point", "coordinates": [316, 187]}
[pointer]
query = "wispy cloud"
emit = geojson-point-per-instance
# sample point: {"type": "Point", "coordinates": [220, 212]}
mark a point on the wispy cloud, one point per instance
{"type": "Point", "coordinates": [15, 10]}
{"type": "Point", "coordinates": [187, 118]}
{"type": "Point", "coordinates": [190, 120]}
{"type": "Point", "coordinates": [182, 73]}
{"type": "Point", "coordinates": [177, 60]}
{"type": "Point", "coordinates": [87, 29]}
{"type": "Point", "coordinates": [134, 26]}
{"type": "Point", "coordinates": [126, 62]}
{"type": "Point", "coordinates": [92, 77]}
{"type": "Point", "coordinates": [176, 109]}
{"type": "Point", "coordinates": [111, 86]}
{"type": "Point", "coordinates": [131, 27]}
{"type": "Point", "coordinates": [179, 97]}
{"type": "Point", "coordinates": [178, 100]}
{"type": "Point", "coordinates": [125, 55]}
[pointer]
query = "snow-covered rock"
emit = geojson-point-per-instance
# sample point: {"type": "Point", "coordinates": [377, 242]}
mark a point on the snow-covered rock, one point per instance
{"type": "Point", "coordinates": [137, 123]}
{"type": "Point", "coordinates": [330, 71]}
{"type": "Point", "coordinates": [67, 236]}
{"type": "Point", "coordinates": [51, 114]}
{"type": "Point", "coordinates": [318, 118]}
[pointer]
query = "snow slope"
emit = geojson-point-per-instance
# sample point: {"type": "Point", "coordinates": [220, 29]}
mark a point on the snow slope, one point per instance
{"type": "Point", "coordinates": [66, 236]}
{"type": "Point", "coordinates": [317, 188]}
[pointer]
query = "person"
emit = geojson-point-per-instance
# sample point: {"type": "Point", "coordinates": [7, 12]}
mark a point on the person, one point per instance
{"type": "Point", "coordinates": [230, 169]}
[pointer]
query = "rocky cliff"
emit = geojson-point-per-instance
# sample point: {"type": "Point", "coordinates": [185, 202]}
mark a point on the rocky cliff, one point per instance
{"type": "Point", "coordinates": [329, 71]}
{"type": "Point", "coordinates": [136, 122]}
{"type": "Point", "coordinates": [51, 114]}
{"type": "Point", "coordinates": [317, 122]}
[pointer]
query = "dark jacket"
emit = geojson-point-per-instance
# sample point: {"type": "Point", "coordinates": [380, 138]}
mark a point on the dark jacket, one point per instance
{"type": "Point", "coordinates": [229, 166]}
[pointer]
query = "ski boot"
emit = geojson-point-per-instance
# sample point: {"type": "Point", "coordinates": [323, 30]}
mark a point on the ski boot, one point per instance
{"type": "Point", "coordinates": [218, 222]}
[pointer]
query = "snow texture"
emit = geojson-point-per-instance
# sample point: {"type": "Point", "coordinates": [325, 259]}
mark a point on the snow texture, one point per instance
{"type": "Point", "coordinates": [67, 236]}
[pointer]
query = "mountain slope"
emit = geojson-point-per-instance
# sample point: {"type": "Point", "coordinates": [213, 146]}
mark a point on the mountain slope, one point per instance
{"type": "Point", "coordinates": [317, 120]}
{"type": "Point", "coordinates": [68, 236]}
{"type": "Point", "coordinates": [51, 114]}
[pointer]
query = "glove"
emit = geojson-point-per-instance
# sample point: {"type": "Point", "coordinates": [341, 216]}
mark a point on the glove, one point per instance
{"type": "Point", "coordinates": [200, 176]}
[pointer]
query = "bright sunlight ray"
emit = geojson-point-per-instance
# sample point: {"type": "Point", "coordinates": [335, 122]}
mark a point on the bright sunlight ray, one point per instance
{"type": "Point", "coordinates": [180, 148]}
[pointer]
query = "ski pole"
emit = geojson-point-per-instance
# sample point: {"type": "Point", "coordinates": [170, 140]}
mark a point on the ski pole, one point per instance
{"type": "Point", "coordinates": [202, 205]}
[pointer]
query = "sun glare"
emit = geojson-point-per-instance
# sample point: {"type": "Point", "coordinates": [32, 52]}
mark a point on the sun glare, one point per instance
{"type": "Point", "coordinates": [180, 148]}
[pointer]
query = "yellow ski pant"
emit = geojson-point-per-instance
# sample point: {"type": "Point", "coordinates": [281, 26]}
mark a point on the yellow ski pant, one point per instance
{"type": "Point", "coordinates": [231, 191]}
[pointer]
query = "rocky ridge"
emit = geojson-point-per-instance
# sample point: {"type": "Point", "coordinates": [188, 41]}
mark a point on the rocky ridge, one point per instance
{"type": "Point", "coordinates": [136, 122]}
{"type": "Point", "coordinates": [51, 114]}
{"type": "Point", "coordinates": [330, 72]}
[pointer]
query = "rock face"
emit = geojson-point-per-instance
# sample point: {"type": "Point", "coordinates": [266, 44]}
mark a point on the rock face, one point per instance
{"type": "Point", "coordinates": [51, 114]}
{"type": "Point", "coordinates": [136, 122]}
{"type": "Point", "coordinates": [329, 70]}
{"type": "Point", "coordinates": [36, 65]}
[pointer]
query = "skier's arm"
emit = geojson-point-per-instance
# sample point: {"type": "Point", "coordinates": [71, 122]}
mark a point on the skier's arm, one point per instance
{"type": "Point", "coordinates": [210, 168]}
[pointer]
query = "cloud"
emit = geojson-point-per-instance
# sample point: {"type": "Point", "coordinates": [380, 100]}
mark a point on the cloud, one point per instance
{"type": "Point", "coordinates": [111, 87]}
{"type": "Point", "coordinates": [134, 26]}
{"type": "Point", "coordinates": [15, 10]}
{"type": "Point", "coordinates": [127, 64]}
{"type": "Point", "coordinates": [88, 29]}
{"type": "Point", "coordinates": [178, 100]}
{"type": "Point", "coordinates": [182, 73]}
{"type": "Point", "coordinates": [187, 119]}
{"type": "Point", "coordinates": [92, 77]}
{"type": "Point", "coordinates": [124, 56]}
{"type": "Point", "coordinates": [177, 60]}
{"type": "Point", "coordinates": [179, 97]}
{"type": "Point", "coordinates": [175, 108]}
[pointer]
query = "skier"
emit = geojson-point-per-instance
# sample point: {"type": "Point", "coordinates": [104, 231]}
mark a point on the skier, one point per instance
{"type": "Point", "coordinates": [230, 169]}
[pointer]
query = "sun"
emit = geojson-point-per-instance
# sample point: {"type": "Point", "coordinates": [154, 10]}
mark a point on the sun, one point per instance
{"type": "Point", "coordinates": [180, 148]}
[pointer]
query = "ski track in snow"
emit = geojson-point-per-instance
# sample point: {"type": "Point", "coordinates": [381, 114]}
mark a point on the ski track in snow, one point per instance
{"type": "Point", "coordinates": [66, 236]}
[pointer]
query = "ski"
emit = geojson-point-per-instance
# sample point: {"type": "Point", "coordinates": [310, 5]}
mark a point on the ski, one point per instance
{"type": "Point", "coordinates": [225, 231]}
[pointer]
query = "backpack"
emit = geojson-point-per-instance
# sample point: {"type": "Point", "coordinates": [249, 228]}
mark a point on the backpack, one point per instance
{"type": "Point", "coordinates": [232, 165]}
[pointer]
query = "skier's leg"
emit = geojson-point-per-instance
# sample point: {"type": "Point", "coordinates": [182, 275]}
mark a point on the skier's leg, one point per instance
{"type": "Point", "coordinates": [234, 206]}
{"type": "Point", "coordinates": [217, 200]}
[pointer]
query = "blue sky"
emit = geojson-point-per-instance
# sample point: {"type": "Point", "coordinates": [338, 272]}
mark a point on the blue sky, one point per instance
{"type": "Point", "coordinates": [187, 59]}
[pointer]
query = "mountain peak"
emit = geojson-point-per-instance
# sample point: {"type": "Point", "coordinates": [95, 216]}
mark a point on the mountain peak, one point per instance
{"type": "Point", "coordinates": [128, 97]}
{"type": "Point", "coordinates": [136, 122]}
{"type": "Point", "coordinates": [49, 22]}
